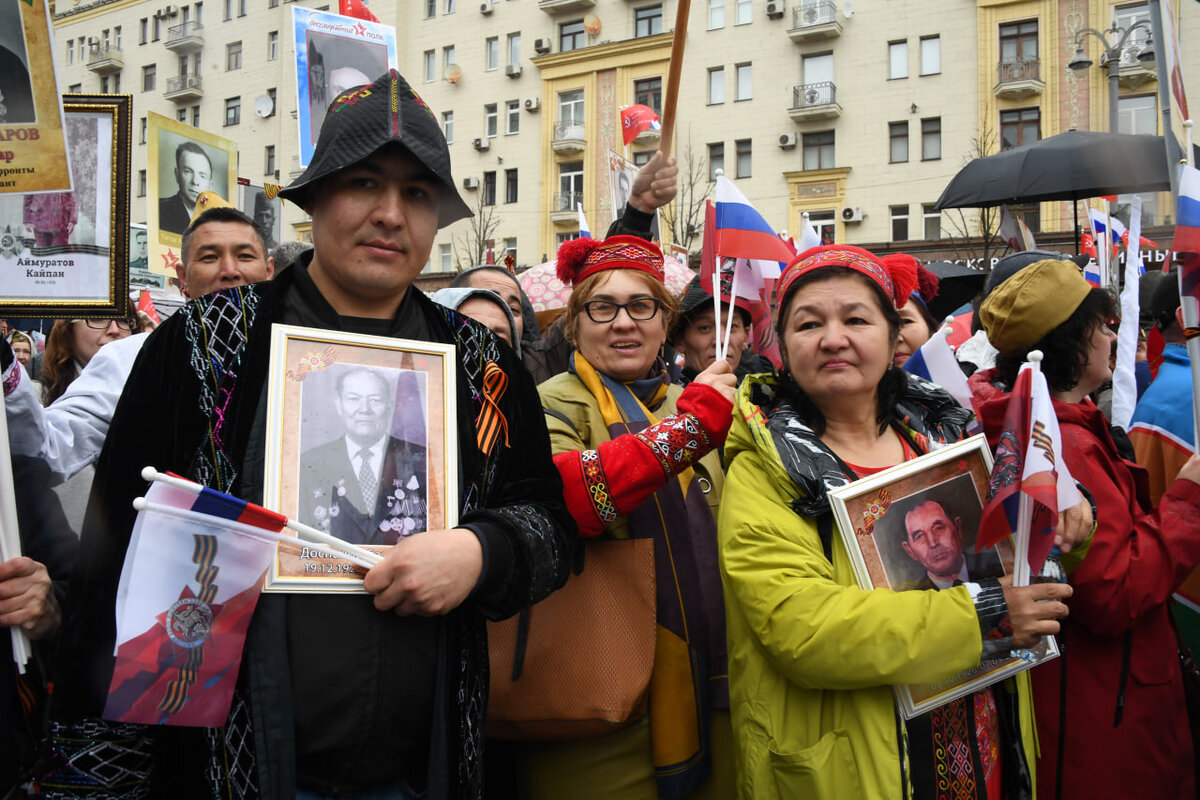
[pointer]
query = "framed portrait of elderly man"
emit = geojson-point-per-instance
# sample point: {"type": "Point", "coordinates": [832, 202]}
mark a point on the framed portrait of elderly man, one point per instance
{"type": "Point", "coordinates": [913, 528]}
{"type": "Point", "coordinates": [65, 254]}
{"type": "Point", "coordinates": [182, 162]}
{"type": "Point", "coordinates": [359, 433]}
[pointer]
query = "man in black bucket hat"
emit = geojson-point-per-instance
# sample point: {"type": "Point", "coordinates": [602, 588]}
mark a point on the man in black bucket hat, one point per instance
{"type": "Point", "coordinates": [339, 695]}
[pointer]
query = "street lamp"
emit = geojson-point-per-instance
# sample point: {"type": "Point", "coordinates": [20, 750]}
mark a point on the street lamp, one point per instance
{"type": "Point", "coordinates": [1081, 62]}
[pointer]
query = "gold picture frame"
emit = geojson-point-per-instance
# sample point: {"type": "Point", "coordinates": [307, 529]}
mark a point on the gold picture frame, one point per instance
{"type": "Point", "coordinates": [338, 402]}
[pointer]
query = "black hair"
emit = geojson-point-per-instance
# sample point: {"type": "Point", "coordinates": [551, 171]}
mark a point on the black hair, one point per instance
{"type": "Point", "coordinates": [221, 214]}
{"type": "Point", "coordinates": [891, 386]}
{"type": "Point", "coordinates": [1064, 349]}
{"type": "Point", "coordinates": [191, 147]}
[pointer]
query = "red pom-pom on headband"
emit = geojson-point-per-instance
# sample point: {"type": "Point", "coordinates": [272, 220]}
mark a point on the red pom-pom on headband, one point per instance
{"type": "Point", "coordinates": [583, 257]}
{"type": "Point", "coordinates": [905, 273]}
{"type": "Point", "coordinates": [896, 280]}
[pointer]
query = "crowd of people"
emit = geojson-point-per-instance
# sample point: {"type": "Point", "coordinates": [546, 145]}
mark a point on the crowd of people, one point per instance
{"type": "Point", "coordinates": [772, 669]}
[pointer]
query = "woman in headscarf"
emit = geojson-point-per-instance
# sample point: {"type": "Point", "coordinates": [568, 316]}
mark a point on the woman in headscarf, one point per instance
{"type": "Point", "coordinates": [638, 459]}
{"type": "Point", "coordinates": [813, 657]}
{"type": "Point", "coordinates": [1126, 723]}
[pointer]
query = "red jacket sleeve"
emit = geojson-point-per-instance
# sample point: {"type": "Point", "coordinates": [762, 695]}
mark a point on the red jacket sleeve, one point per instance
{"type": "Point", "coordinates": [604, 484]}
{"type": "Point", "coordinates": [1137, 558]}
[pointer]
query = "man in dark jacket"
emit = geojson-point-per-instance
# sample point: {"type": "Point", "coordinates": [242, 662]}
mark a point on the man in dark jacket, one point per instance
{"type": "Point", "coordinates": [343, 695]}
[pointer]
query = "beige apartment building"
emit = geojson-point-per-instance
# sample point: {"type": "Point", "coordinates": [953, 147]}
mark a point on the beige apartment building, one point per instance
{"type": "Point", "coordinates": [856, 111]}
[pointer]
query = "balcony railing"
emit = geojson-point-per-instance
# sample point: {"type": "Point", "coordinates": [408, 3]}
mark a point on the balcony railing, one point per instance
{"type": "Point", "coordinates": [809, 14]}
{"type": "Point", "coordinates": [566, 201]}
{"type": "Point", "coordinates": [186, 37]}
{"type": "Point", "coordinates": [105, 58]}
{"type": "Point", "coordinates": [1018, 69]}
{"type": "Point", "coordinates": [568, 130]}
{"type": "Point", "coordinates": [814, 94]}
{"type": "Point", "coordinates": [183, 87]}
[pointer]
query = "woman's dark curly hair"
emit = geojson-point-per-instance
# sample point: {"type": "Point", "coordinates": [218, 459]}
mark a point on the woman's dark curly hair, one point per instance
{"type": "Point", "coordinates": [1064, 349]}
{"type": "Point", "coordinates": [891, 385]}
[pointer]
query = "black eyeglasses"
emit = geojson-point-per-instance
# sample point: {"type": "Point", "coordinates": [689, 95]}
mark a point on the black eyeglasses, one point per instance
{"type": "Point", "coordinates": [639, 309]}
{"type": "Point", "coordinates": [102, 324]}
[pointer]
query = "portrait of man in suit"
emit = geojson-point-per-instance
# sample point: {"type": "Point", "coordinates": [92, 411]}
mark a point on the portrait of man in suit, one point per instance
{"type": "Point", "coordinates": [933, 537]}
{"type": "Point", "coordinates": [193, 175]}
{"type": "Point", "coordinates": [367, 486]}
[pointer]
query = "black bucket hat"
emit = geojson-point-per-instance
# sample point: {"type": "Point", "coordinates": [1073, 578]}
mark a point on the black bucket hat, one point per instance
{"type": "Point", "coordinates": [362, 120]}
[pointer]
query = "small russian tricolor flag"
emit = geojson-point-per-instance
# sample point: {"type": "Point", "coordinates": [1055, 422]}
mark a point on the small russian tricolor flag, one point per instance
{"type": "Point", "coordinates": [741, 230]}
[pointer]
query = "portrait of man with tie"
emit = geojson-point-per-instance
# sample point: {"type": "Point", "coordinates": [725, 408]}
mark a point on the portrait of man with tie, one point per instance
{"type": "Point", "coordinates": [368, 485]}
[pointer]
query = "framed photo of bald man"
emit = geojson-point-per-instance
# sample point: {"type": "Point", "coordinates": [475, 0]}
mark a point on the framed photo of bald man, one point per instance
{"type": "Point", "coordinates": [913, 528]}
{"type": "Point", "coordinates": [360, 445]}
{"type": "Point", "coordinates": [182, 162]}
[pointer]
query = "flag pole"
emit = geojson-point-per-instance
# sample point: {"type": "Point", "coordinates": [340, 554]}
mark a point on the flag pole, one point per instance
{"type": "Point", "coordinates": [1025, 505]}
{"type": "Point", "coordinates": [729, 314]}
{"type": "Point", "coordinates": [10, 532]}
{"type": "Point", "coordinates": [682, 8]}
{"type": "Point", "coordinates": [716, 287]}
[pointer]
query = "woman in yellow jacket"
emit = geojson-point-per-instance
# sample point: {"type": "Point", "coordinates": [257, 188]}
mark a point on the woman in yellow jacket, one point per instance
{"type": "Point", "coordinates": [812, 657]}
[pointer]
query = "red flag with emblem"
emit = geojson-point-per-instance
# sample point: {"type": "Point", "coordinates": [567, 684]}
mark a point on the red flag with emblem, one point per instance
{"type": "Point", "coordinates": [356, 9]}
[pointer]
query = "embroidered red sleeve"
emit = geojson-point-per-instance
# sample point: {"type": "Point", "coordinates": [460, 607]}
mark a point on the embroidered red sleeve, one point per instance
{"type": "Point", "coordinates": [605, 484]}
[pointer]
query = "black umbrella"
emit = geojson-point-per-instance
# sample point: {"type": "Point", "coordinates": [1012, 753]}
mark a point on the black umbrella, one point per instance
{"type": "Point", "coordinates": [1070, 166]}
{"type": "Point", "coordinates": [959, 285]}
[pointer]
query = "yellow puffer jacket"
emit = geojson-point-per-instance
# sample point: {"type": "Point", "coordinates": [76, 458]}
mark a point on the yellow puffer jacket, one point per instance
{"type": "Point", "coordinates": [812, 657]}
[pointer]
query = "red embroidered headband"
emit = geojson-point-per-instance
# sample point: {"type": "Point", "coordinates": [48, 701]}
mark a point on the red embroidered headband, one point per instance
{"type": "Point", "coordinates": [583, 257]}
{"type": "Point", "coordinates": [897, 279]}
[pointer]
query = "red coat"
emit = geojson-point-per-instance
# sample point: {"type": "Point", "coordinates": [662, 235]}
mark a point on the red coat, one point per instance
{"type": "Point", "coordinates": [1138, 556]}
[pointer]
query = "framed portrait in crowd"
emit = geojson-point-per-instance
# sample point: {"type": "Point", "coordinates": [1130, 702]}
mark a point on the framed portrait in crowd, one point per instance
{"type": "Point", "coordinates": [360, 433]}
{"type": "Point", "coordinates": [912, 528]}
{"type": "Point", "coordinates": [66, 254]}
{"type": "Point", "coordinates": [182, 162]}
{"type": "Point", "coordinates": [333, 54]}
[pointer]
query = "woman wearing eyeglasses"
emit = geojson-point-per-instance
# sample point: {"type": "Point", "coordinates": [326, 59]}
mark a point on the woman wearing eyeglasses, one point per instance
{"type": "Point", "coordinates": [71, 345]}
{"type": "Point", "coordinates": [638, 459]}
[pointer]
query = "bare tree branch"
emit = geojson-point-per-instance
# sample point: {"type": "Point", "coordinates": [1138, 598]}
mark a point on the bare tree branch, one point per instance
{"type": "Point", "coordinates": [470, 248]}
{"type": "Point", "coordinates": [684, 217]}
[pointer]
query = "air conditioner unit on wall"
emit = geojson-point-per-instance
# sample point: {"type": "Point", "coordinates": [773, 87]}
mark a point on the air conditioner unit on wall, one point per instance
{"type": "Point", "coordinates": [533, 104]}
{"type": "Point", "coordinates": [513, 70]}
{"type": "Point", "coordinates": [170, 11]}
{"type": "Point", "coordinates": [774, 9]}
{"type": "Point", "coordinates": [482, 143]}
{"type": "Point", "coordinates": [542, 45]}
{"type": "Point", "coordinates": [787, 140]}
{"type": "Point", "coordinates": [471, 183]}
{"type": "Point", "coordinates": [485, 8]}
{"type": "Point", "coordinates": [852, 214]}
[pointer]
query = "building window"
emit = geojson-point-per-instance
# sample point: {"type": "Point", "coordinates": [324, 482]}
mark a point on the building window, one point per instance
{"type": "Point", "coordinates": [641, 157]}
{"type": "Point", "coordinates": [716, 14]}
{"type": "Point", "coordinates": [444, 258]}
{"type": "Point", "coordinates": [818, 150]}
{"type": "Point", "coordinates": [931, 139]}
{"type": "Point", "coordinates": [142, 138]}
{"type": "Point", "coordinates": [430, 9]}
{"type": "Point", "coordinates": [570, 36]}
{"type": "Point", "coordinates": [269, 158]}
{"type": "Point", "coordinates": [489, 188]}
{"type": "Point", "coordinates": [195, 116]}
{"type": "Point", "coordinates": [70, 51]}
{"type": "Point", "coordinates": [1137, 114]}
{"type": "Point", "coordinates": [75, 88]}
{"type": "Point", "coordinates": [451, 6]}
{"type": "Point", "coordinates": [510, 186]}
{"type": "Point", "coordinates": [228, 10]}
{"type": "Point", "coordinates": [744, 153]}
{"type": "Point", "coordinates": [745, 82]}
{"type": "Point", "coordinates": [933, 222]}
{"type": "Point", "coordinates": [570, 185]}
{"type": "Point", "coordinates": [199, 12]}
{"type": "Point", "coordinates": [1022, 126]}
{"type": "Point", "coordinates": [448, 56]}
{"type": "Point", "coordinates": [155, 29]}
{"type": "Point", "coordinates": [430, 65]}
{"type": "Point", "coordinates": [489, 120]}
{"type": "Point", "coordinates": [143, 29]}
{"type": "Point", "coordinates": [745, 10]}
{"type": "Point", "coordinates": [233, 111]}
{"type": "Point", "coordinates": [181, 115]}
{"type": "Point", "coordinates": [648, 92]}
{"type": "Point", "coordinates": [241, 8]}
{"type": "Point", "coordinates": [897, 60]}
{"type": "Point", "coordinates": [510, 248]}
{"type": "Point", "coordinates": [272, 94]}
{"type": "Point", "coordinates": [647, 21]}
{"type": "Point", "coordinates": [272, 3]}
{"type": "Point", "coordinates": [272, 45]}
{"type": "Point", "coordinates": [233, 56]}
{"type": "Point", "coordinates": [141, 183]}
{"type": "Point", "coordinates": [149, 77]}
{"type": "Point", "coordinates": [899, 223]}
{"type": "Point", "coordinates": [824, 224]}
{"type": "Point", "coordinates": [897, 142]}
{"type": "Point", "coordinates": [931, 55]}
{"type": "Point", "coordinates": [513, 124]}
{"type": "Point", "coordinates": [514, 48]}
{"type": "Point", "coordinates": [492, 51]}
{"type": "Point", "coordinates": [716, 86]}
{"type": "Point", "coordinates": [82, 44]}
{"type": "Point", "coordinates": [448, 126]}
{"type": "Point", "coordinates": [716, 159]}
{"type": "Point", "coordinates": [1124, 18]}
{"type": "Point", "coordinates": [1019, 44]}
{"type": "Point", "coordinates": [570, 111]}
{"type": "Point", "coordinates": [817, 74]}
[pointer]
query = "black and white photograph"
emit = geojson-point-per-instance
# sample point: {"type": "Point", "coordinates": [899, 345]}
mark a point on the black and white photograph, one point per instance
{"type": "Point", "coordinates": [267, 212]}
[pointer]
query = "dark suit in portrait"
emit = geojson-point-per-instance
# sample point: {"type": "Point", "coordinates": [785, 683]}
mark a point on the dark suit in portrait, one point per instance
{"type": "Point", "coordinates": [979, 566]}
{"type": "Point", "coordinates": [173, 214]}
{"type": "Point", "coordinates": [332, 500]}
